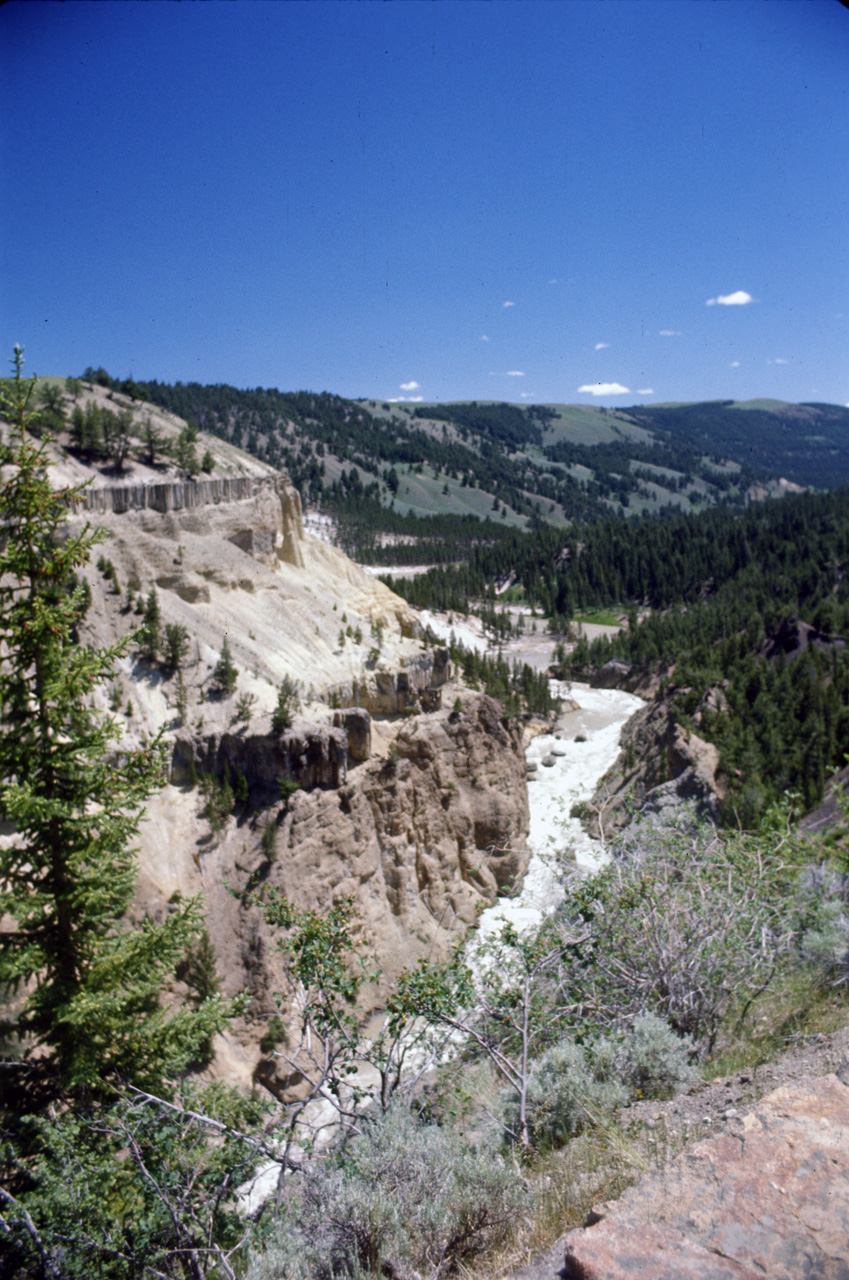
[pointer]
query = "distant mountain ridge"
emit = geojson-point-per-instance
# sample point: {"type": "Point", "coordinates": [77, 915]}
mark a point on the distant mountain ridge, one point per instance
{"type": "Point", "coordinates": [405, 482]}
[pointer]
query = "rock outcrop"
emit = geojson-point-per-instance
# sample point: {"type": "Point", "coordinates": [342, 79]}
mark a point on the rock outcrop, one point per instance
{"type": "Point", "coordinates": [768, 1197]}
{"type": "Point", "coordinates": [356, 722]}
{"type": "Point", "coordinates": [660, 766]}
{"type": "Point", "coordinates": [389, 693]}
{"type": "Point", "coordinates": [422, 836]}
{"type": "Point", "coordinates": [314, 756]}
{"type": "Point", "coordinates": [260, 515]}
{"type": "Point", "coordinates": [792, 637]}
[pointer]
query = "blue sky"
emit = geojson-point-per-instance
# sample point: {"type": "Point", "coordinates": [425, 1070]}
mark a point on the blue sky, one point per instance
{"type": "Point", "coordinates": [531, 201]}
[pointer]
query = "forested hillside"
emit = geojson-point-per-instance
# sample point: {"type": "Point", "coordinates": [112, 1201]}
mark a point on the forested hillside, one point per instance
{"type": "Point", "coordinates": [407, 484]}
{"type": "Point", "coordinates": [751, 610]}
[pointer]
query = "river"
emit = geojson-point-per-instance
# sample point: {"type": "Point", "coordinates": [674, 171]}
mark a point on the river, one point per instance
{"type": "Point", "coordinates": [583, 745]}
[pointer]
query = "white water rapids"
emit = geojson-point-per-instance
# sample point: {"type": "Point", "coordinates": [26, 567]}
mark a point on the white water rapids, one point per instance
{"type": "Point", "coordinates": [553, 837]}
{"type": "Point", "coordinates": [584, 745]}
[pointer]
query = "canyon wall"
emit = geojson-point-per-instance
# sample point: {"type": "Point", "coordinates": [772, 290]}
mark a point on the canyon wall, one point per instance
{"type": "Point", "coordinates": [661, 765]}
{"type": "Point", "coordinates": [422, 837]}
{"type": "Point", "coordinates": [260, 515]}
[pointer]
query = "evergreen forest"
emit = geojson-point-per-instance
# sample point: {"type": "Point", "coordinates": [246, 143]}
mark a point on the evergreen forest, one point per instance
{"type": "Point", "coordinates": [751, 607]}
{"type": "Point", "coordinates": [413, 484]}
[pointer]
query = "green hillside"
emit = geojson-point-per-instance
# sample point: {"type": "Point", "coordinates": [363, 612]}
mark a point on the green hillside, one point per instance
{"type": "Point", "coordinates": [389, 472]}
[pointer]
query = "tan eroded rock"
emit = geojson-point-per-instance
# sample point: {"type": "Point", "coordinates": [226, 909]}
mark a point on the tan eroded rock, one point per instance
{"type": "Point", "coordinates": [422, 839]}
{"type": "Point", "coordinates": [659, 765]}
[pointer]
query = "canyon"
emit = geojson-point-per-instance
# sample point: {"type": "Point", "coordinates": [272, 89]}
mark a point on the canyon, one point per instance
{"type": "Point", "coordinates": [378, 791]}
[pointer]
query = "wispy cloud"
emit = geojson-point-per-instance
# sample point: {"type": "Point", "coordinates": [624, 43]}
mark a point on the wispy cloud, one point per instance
{"type": "Point", "coordinates": [484, 337]}
{"type": "Point", "coordinates": [646, 391]}
{"type": "Point", "coordinates": [409, 386]}
{"type": "Point", "coordinates": [408, 399]}
{"type": "Point", "coordinates": [600, 346]}
{"type": "Point", "coordinates": [738, 299]}
{"type": "Point", "coordinates": [508, 304]}
{"type": "Point", "coordinates": [603, 389]}
{"type": "Point", "coordinates": [515, 373]}
{"type": "Point", "coordinates": [669, 333]}
{"type": "Point", "coordinates": [735, 364]}
{"type": "Point", "coordinates": [553, 280]}
{"type": "Point", "coordinates": [778, 360]}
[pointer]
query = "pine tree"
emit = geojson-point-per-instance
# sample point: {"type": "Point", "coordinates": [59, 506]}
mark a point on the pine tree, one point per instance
{"type": "Point", "coordinates": [150, 632]}
{"type": "Point", "coordinates": [225, 673]}
{"type": "Point", "coordinates": [89, 984]}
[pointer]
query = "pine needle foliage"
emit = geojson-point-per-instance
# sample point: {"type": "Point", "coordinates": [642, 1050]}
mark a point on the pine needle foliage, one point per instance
{"type": "Point", "coordinates": [88, 985]}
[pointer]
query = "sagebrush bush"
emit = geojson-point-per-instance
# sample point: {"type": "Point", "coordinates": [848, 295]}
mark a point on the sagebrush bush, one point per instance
{"type": "Point", "coordinates": [569, 1087]}
{"type": "Point", "coordinates": [402, 1197]}
{"type": "Point", "coordinates": [652, 1061]}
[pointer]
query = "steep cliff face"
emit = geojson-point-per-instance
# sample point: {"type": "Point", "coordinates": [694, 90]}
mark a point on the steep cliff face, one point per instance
{"type": "Point", "coordinates": [419, 814]}
{"type": "Point", "coordinates": [422, 837]}
{"type": "Point", "coordinates": [260, 515]}
{"type": "Point", "coordinates": [660, 765]}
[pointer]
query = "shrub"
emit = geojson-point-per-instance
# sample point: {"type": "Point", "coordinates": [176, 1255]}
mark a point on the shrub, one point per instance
{"type": "Point", "coordinates": [569, 1087]}
{"type": "Point", "coordinates": [693, 926]}
{"type": "Point", "coordinates": [654, 1062]}
{"type": "Point", "coordinates": [403, 1198]}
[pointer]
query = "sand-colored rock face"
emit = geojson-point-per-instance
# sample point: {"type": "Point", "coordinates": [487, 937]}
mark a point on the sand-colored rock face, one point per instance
{"type": "Point", "coordinates": [421, 838]}
{"type": "Point", "coordinates": [241, 567]}
{"type": "Point", "coordinates": [769, 1197]}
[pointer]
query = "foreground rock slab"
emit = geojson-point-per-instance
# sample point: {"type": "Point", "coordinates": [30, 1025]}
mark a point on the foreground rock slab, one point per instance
{"type": "Point", "coordinates": [767, 1197]}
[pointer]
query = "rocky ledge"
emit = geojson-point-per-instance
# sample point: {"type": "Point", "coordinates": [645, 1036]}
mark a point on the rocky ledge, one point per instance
{"type": "Point", "coordinates": [660, 765]}
{"type": "Point", "coordinates": [768, 1196]}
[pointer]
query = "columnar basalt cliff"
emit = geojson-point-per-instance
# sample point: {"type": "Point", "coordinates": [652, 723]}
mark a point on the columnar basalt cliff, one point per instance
{"type": "Point", "coordinates": [313, 756]}
{"type": "Point", "coordinates": [261, 515]}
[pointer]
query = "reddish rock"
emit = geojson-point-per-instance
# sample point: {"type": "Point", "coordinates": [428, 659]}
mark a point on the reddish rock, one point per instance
{"type": "Point", "coordinates": [768, 1197]}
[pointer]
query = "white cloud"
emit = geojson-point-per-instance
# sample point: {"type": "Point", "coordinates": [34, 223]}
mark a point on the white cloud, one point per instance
{"type": "Point", "coordinates": [409, 386]}
{"type": "Point", "coordinates": [599, 346]}
{"type": "Point", "coordinates": [508, 304]}
{"type": "Point", "coordinates": [415, 399]}
{"type": "Point", "coordinates": [484, 337]}
{"type": "Point", "coordinates": [604, 389]}
{"type": "Point", "coordinates": [409, 399]}
{"type": "Point", "coordinates": [778, 360]}
{"type": "Point", "coordinates": [669, 333]}
{"type": "Point", "coordinates": [515, 373]}
{"type": "Point", "coordinates": [735, 364]}
{"type": "Point", "coordinates": [554, 281]}
{"type": "Point", "coordinates": [738, 299]}
{"type": "Point", "coordinates": [646, 391]}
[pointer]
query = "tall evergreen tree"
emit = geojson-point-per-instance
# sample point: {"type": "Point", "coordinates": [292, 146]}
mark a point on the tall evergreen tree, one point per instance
{"type": "Point", "coordinates": [91, 1006]}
